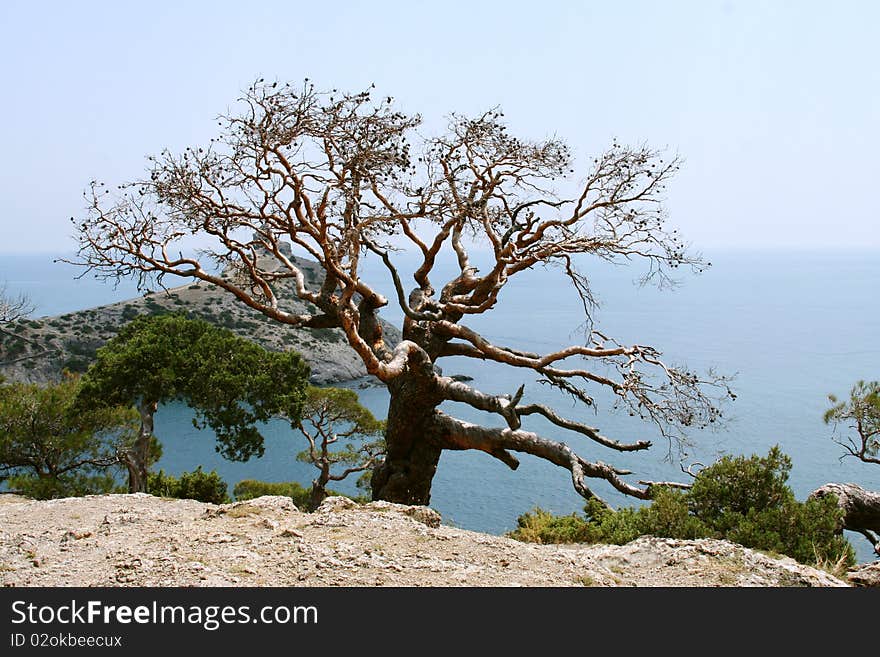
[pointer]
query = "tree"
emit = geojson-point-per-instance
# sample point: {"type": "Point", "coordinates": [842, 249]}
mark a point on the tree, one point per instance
{"type": "Point", "coordinates": [334, 415]}
{"type": "Point", "coordinates": [13, 307]}
{"type": "Point", "coordinates": [861, 414]}
{"type": "Point", "coordinates": [51, 448]}
{"type": "Point", "coordinates": [335, 175]}
{"type": "Point", "coordinates": [230, 383]}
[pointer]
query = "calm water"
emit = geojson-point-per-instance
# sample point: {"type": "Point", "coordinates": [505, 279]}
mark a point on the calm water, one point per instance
{"type": "Point", "coordinates": [792, 327]}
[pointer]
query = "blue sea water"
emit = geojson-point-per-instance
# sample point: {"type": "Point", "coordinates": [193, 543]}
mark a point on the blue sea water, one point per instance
{"type": "Point", "coordinates": [792, 326]}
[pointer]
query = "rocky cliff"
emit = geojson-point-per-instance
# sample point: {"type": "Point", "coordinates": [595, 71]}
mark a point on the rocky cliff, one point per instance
{"type": "Point", "coordinates": [140, 540]}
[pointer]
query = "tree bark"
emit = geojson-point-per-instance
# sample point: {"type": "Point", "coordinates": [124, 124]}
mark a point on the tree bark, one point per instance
{"type": "Point", "coordinates": [137, 457]}
{"type": "Point", "coordinates": [319, 487]}
{"type": "Point", "coordinates": [412, 456]}
{"type": "Point", "coordinates": [318, 493]}
{"type": "Point", "coordinates": [861, 509]}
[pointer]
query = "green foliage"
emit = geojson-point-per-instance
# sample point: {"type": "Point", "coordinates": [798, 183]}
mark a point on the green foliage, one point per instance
{"type": "Point", "coordinates": [668, 515]}
{"type": "Point", "coordinates": [195, 485]}
{"type": "Point", "coordinates": [51, 448]}
{"type": "Point", "coordinates": [129, 312]}
{"type": "Point", "coordinates": [76, 364]}
{"type": "Point", "coordinates": [71, 484]}
{"type": "Point", "coordinates": [731, 488]}
{"type": "Point", "coordinates": [540, 526]}
{"type": "Point", "coordinates": [341, 433]}
{"type": "Point", "coordinates": [748, 501]}
{"type": "Point", "coordinates": [230, 383]}
{"type": "Point", "coordinates": [742, 499]}
{"type": "Point", "coordinates": [239, 383]}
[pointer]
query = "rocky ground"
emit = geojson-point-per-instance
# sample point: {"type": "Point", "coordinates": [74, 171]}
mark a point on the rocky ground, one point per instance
{"type": "Point", "coordinates": [140, 540]}
{"type": "Point", "coordinates": [37, 349]}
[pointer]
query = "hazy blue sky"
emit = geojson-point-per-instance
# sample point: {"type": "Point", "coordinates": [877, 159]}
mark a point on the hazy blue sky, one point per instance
{"type": "Point", "coordinates": [774, 105]}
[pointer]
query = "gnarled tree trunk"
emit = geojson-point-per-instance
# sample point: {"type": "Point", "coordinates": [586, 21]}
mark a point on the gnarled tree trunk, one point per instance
{"type": "Point", "coordinates": [412, 456]}
{"type": "Point", "coordinates": [137, 457]}
{"type": "Point", "coordinates": [861, 509]}
{"type": "Point", "coordinates": [318, 493]}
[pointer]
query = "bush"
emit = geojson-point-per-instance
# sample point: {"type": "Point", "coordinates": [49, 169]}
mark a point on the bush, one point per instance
{"type": "Point", "coordinates": [195, 485]}
{"type": "Point", "coordinates": [748, 501]}
{"type": "Point", "coordinates": [667, 516]}
{"type": "Point", "coordinates": [745, 500]}
{"type": "Point", "coordinates": [129, 312]}
{"type": "Point", "coordinates": [66, 485]}
{"type": "Point", "coordinates": [735, 486]}
{"type": "Point", "coordinates": [76, 364]}
{"type": "Point", "coordinates": [540, 526]}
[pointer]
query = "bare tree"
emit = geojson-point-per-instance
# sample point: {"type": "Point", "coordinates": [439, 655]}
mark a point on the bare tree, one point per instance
{"type": "Point", "coordinates": [336, 175]}
{"type": "Point", "coordinates": [13, 307]}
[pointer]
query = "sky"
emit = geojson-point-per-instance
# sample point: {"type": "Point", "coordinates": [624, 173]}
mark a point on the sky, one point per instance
{"type": "Point", "coordinates": [774, 105]}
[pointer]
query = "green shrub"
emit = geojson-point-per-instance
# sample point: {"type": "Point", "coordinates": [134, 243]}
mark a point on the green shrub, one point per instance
{"type": "Point", "coordinates": [734, 486]}
{"type": "Point", "coordinates": [77, 364]}
{"type": "Point", "coordinates": [745, 500]}
{"type": "Point", "coordinates": [195, 485]}
{"type": "Point", "coordinates": [748, 501]}
{"type": "Point", "coordinates": [540, 526]}
{"type": "Point", "coordinates": [66, 485]}
{"type": "Point", "coordinates": [667, 516]}
{"type": "Point", "coordinates": [129, 312]}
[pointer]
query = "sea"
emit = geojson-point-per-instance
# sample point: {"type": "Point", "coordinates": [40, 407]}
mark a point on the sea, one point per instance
{"type": "Point", "coordinates": [790, 327]}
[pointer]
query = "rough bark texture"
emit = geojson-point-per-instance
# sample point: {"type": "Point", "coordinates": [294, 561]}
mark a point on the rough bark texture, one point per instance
{"type": "Point", "coordinates": [319, 492]}
{"type": "Point", "coordinates": [861, 509]}
{"type": "Point", "coordinates": [411, 459]}
{"type": "Point", "coordinates": [137, 457]}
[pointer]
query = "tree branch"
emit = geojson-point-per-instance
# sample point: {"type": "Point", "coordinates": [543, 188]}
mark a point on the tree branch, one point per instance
{"type": "Point", "coordinates": [498, 442]}
{"type": "Point", "coordinates": [591, 432]}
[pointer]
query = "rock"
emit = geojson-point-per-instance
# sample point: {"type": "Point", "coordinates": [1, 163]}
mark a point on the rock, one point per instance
{"type": "Point", "coordinates": [423, 514]}
{"type": "Point", "coordinates": [76, 535]}
{"type": "Point", "coordinates": [705, 562]}
{"type": "Point", "coordinates": [336, 503]}
{"type": "Point", "coordinates": [865, 575]}
{"type": "Point", "coordinates": [190, 543]}
{"type": "Point", "coordinates": [273, 502]}
{"type": "Point", "coordinates": [461, 378]}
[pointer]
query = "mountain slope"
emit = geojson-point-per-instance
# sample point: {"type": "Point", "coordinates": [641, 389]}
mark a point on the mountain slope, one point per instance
{"type": "Point", "coordinates": [37, 350]}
